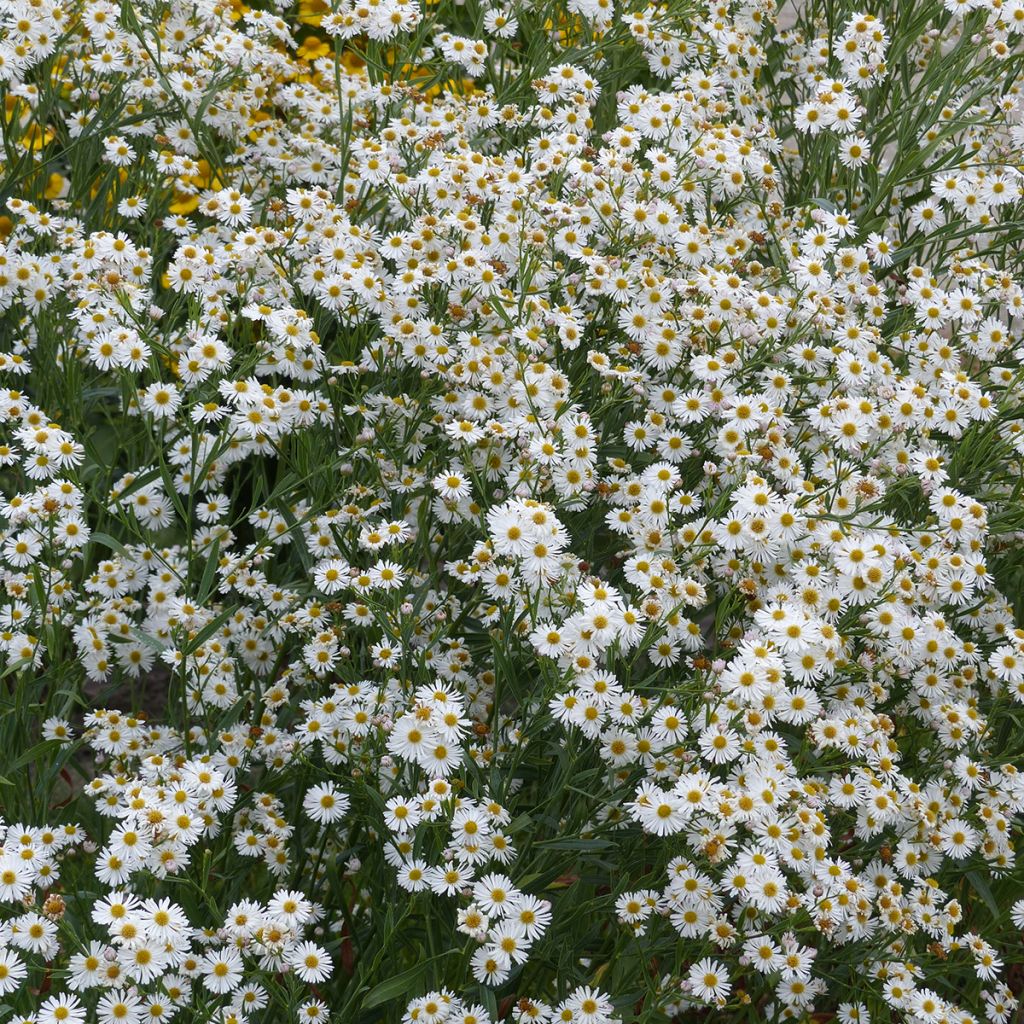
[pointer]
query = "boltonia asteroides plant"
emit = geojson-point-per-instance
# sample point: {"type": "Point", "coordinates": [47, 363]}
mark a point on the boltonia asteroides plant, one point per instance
{"type": "Point", "coordinates": [511, 512]}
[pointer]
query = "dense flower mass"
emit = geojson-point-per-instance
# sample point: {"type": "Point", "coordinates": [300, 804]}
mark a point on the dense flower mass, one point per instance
{"type": "Point", "coordinates": [511, 511]}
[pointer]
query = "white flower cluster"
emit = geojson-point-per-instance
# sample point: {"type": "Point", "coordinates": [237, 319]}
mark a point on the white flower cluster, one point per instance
{"type": "Point", "coordinates": [585, 1005]}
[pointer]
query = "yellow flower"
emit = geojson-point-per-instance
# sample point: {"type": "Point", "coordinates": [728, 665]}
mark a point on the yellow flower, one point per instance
{"type": "Point", "coordinates": [312, 48]}
{"type": "Point", "coordinates": [183, 202]}
{"type": "Point", "coordinates": [55, 186]}
{"type": "Point", "coordinates": [351, 61]}
{"type": "Point", "coordinates": [36, 137]}
{"type": "Point", "coordinates": [311, 12]}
